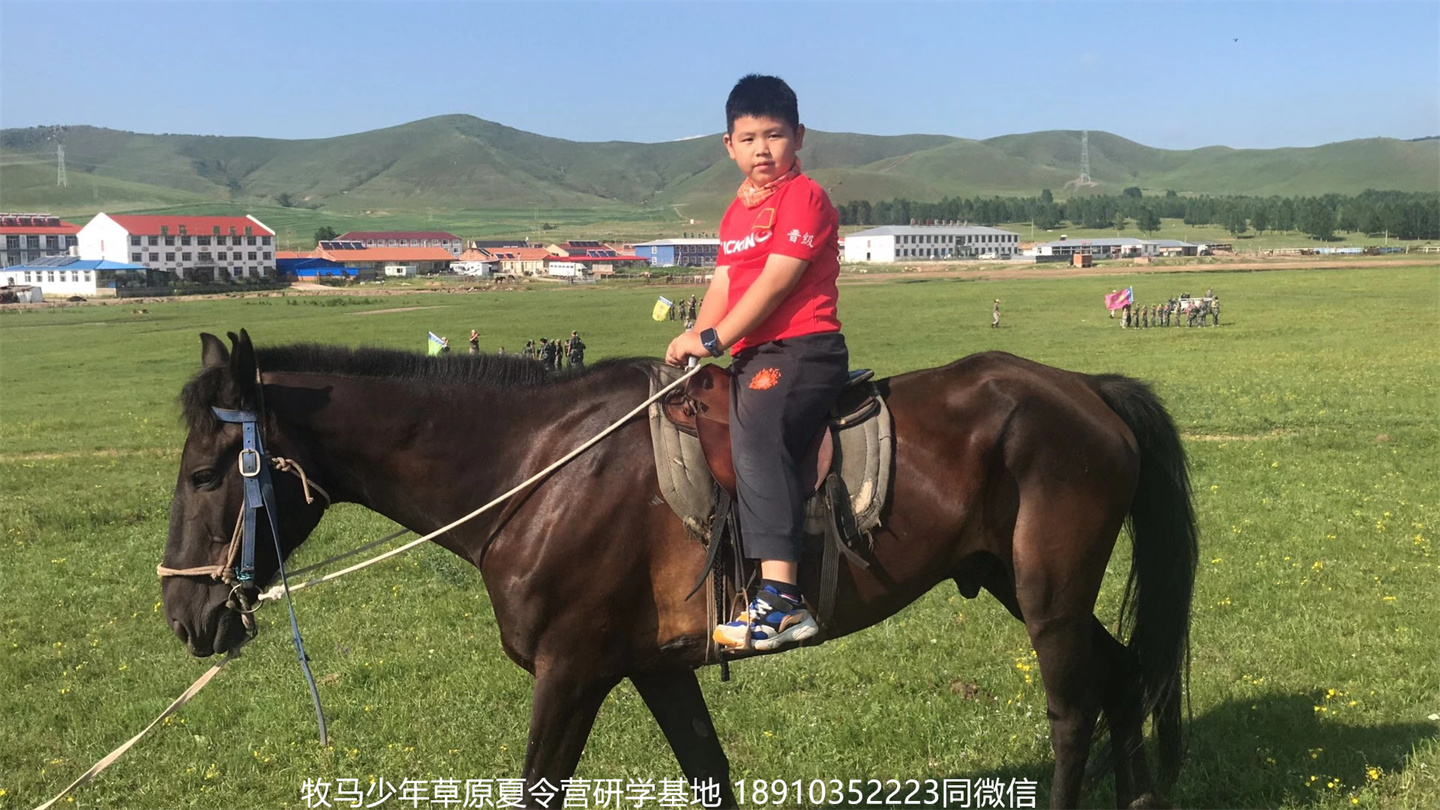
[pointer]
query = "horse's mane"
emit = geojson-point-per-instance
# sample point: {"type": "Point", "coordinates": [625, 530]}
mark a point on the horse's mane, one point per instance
{"type": "Point", "coordinates": [481, 370]}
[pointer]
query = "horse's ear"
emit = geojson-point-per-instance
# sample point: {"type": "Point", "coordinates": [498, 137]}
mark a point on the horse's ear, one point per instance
{"type": "Point", "coordinates": [242, 365]}
{"type": "Point", "coordinates": [213, 353]}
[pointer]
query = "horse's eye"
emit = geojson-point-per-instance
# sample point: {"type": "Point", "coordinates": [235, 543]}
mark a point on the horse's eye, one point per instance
{"type": "Point", "coordinates": [202, 477]}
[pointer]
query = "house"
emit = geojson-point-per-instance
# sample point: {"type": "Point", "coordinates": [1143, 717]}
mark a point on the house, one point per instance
{"type": "Point", "coordinates": [190, 248]}
{"type": "Point", "coordinates": [64, 276]}
{"type": "Point", "coordinates": [893, 243]}
{"type": "Point", "coordinates": [476, 262]}
{"type": "Point", "coordinates": [392, 239]}
{"type": "Point", "coordinates": [679, 252]}
{"type": "Point", "coordinates": [521, 261]}
{"type": "Point", "coordinates": [1116, 247]}
{"type": "Point", "coordinates": [304, 266]}
{"type": "Point", "coordinates": [593, 265]}
{"type": "Point", "coordinates": [32, 236]}
{"type": "Point", "coordinates": [375, 260]}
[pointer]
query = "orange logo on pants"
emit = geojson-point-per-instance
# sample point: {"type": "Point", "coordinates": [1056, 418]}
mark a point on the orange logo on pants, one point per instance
{"type": "Point", "coordinates": [764, 379]}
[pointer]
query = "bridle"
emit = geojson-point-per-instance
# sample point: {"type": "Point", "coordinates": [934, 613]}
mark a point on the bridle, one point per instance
{"type": "Point", "coordinates": [238, 569]}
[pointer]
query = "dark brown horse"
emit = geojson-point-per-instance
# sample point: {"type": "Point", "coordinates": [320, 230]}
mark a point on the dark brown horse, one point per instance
{"type": "Point", "coordinates": [1009, 476]}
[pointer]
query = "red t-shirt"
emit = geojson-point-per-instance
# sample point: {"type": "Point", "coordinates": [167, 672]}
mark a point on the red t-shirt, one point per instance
{"type": "Point", "coordinates": [798, 221]}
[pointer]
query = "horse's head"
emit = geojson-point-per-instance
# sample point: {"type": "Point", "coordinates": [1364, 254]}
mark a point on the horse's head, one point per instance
{"type": "Point", "coordinates": [206, 589]}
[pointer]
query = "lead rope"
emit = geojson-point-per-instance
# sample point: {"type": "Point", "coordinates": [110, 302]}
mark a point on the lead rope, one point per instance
{"type": "Point", "coordinates": [287, 589]}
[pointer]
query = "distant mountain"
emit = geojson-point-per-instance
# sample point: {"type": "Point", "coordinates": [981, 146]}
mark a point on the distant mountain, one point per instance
{"type": "Point", "coordinates": [460, 162]}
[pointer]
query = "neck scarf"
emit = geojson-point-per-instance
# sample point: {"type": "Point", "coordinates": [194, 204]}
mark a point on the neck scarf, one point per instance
{"type": "Point", "coordinates": [752, 195]}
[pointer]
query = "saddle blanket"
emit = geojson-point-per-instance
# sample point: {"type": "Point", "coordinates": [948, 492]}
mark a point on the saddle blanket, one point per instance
{"type": "Point", "coordinates": [863, 455]}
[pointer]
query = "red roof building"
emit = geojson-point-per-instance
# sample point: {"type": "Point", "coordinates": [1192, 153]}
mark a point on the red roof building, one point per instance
{"type": "Point", "coordinates": [33, 236]}
{"type": "Point", "coordinates": [193, 248]}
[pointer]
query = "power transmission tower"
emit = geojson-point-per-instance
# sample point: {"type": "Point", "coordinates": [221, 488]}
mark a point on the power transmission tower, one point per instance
{"type": "Point", "coordinates": [1084, 178]}
{"type": "Point", "coordinates": [60, 178]}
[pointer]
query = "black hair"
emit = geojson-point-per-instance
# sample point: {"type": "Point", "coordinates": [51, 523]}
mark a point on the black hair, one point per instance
{"type": "Point", "coordinates": [762, 96]}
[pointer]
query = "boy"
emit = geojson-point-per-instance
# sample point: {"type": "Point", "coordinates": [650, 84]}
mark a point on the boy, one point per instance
{"type": "Point", "coordinates": [772, 302]}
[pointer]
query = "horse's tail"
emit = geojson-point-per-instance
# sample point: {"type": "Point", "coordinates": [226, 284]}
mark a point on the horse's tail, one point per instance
{"type": "Point", "coordinates": [1156, 608]}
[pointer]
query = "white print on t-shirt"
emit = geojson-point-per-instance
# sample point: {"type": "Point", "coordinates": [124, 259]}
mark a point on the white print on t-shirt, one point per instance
{"type": "Point", "coordinates": [808, 240]}
{"type": "Point", "coordinates": [732, 246]}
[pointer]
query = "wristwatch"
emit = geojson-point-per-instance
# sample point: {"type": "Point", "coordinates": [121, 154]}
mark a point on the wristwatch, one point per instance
{"type": "Point", "coordinates": [711, 341]}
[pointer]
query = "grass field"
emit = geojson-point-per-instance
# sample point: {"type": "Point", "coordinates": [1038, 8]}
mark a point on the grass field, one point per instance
{"type": "Point", "coordinates": [1310, 417]}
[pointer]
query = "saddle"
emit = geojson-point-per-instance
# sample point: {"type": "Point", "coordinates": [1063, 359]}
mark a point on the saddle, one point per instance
{"type": "Point", "coordinates": [701, 408]}
{"type": "Point", "coordinates": [846, 472]}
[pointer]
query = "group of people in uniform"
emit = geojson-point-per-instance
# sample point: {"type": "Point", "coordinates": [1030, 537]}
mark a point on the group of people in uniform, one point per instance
{"type": "Point", "coordinates": [1191, 311]}
{"type": "Point", "coordinates": [555, 355]}
{"type": "Point", "coordinates": [685, 311]}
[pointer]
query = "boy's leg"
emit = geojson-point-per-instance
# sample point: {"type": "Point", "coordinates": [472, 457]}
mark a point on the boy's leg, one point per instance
{"type": "Point", "coordinates": [780, 396]}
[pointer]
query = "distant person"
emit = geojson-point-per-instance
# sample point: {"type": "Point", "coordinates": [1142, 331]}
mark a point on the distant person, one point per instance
{"type": "Point", "coordinates": [474, 342]}
{"type": "Point", "coordinates": [1215, 310]}
{"type": "Point", "coordinates": [995, 315]}
{"type": "Point", "coordinates": [576, 349]}
{"type": "Point", "coordinates": [500, 352]}
{"type": "Point", "coordinates": [528, 350]}
{"type": "Point", "coordinates": [547, 353]}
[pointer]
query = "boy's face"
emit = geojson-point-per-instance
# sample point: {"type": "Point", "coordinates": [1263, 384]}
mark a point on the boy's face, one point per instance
{"type": "Point", "coordinates": [763, 147]}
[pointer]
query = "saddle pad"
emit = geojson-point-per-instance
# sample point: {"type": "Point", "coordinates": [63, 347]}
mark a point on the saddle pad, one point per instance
{"type": "Point", "coordinates": [863, 453]}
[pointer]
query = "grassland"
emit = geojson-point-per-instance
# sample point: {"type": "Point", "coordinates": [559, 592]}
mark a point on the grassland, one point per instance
{"type": "Point", "coordinates": [1310, 417]}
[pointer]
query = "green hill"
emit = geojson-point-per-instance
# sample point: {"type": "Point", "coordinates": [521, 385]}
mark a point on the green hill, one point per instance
{"type": "Point", "coordinates": [459, 162]}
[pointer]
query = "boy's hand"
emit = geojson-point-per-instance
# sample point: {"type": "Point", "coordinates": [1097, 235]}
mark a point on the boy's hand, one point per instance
{"type": "Point", "coordinates": [685, 346]}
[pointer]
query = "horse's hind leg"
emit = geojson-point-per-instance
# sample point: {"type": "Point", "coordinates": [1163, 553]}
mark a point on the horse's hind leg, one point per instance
{"type": "Point", "coordinates": [674, 697]}
{"type": "Point", "coordinates": [562, 712]}
{"type": "Point", "coordinates": [1125, 714]}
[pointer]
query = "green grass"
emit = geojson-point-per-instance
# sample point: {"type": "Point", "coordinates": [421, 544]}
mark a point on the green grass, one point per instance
{"type": "Point", "coordinates": [1310, 417]}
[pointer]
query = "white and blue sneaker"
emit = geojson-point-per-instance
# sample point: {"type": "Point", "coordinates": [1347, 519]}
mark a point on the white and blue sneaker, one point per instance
{"type": "Point", "coordinates": [771, 623]}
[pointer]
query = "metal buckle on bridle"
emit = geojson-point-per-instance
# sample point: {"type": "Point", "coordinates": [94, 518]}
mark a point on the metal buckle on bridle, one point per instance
{"type": "Point", "coordinates": [251, 455]}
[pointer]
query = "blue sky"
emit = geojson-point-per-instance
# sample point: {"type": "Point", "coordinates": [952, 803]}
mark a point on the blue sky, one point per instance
{"type": "Point", "coordinates": [1167, 74]}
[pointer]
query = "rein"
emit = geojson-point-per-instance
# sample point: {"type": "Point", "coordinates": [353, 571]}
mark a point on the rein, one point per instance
{"type": "Point", "coordinates": [255, 466]}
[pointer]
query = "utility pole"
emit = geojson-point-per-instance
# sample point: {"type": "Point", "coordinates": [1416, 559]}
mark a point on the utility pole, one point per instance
{"type": "Point", "coordinates": [60, 179]}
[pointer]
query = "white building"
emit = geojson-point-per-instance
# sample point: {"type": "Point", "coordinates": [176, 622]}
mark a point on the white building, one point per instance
{"type": "Point", "coordinates": [902, 243]}
{"type": "Point", "coordinates": [64, 276]}
{"type": "Point", "coordinates": [192, 248]}
{"type": "Point", "coordinates": [31, 236]}
{"type": "Point", "coordinates": [1116, 247]}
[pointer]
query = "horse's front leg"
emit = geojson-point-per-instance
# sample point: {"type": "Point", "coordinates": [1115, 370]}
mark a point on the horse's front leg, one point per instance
{"type": "Point", "coordinates": [562, 712]}
{"type": "Point", "coordinates": [674, 697]}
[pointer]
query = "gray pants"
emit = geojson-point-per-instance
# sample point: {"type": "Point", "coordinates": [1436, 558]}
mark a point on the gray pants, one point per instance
{"type": "Point", "coordinates": [779, 399]}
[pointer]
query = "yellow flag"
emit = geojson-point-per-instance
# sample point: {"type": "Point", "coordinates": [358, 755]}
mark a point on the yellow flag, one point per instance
{"type": "Point", "coordinates": [662, 308]}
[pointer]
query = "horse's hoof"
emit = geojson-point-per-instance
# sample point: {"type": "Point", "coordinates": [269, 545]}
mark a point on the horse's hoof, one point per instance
{"type": "Point", "coordinates": [1149, 801]}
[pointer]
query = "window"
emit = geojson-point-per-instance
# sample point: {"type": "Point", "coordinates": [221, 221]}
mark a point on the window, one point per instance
{"type": "Point", "coordinates": [27, 277]}
{"type": "Point", "coordinates": [52, 243]}
{"type": "Point", "coordinates": [170, 256]}
{"type": "Point", "coordinates": [249, 240]}
{"type": "Point", "coordinates": [154, 240]}
{"type": "Point", "coordinates": [50, 275]}
{"type": "Point", "coordinates": [12, 243]}
{"type": "Point", "coordinates": [170, 240]}
{"type": "Point", "coordinates": [204, 256]}
{"type": "Point", "coordinates": [265, 240]}
{"type": "Point", "coordinates": [250, 255]}
{"type": "Point", "coordinates": [154, 257]}
{"type": "Point", "coordinates": [267, 255]}
{"type": "Point", "coordinates": [185, 257]}
{"type": "Point", "coordinates": [185, 240]}
{"type": "Point", "coordinates": [71, 241]}
{"type": "Point", "coordinates": [134, 257]}
{"type": "Point", "coordinates": [221, 256]}
{"type": "Point", "coordinates": [89, 275]}
{"type": "Point", "coordinates": [202, 240]}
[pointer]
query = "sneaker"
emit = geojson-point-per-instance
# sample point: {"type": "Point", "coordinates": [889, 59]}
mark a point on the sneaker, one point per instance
{"type": "Point", "coordinates": [769, 625]}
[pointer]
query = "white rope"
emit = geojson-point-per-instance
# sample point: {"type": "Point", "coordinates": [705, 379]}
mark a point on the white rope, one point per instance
{"type": "Point", "coordinates": [279, 590]}
{"type": "Point", "coordinates": [111, 757]}
{"type": "Point", "coordinates": [276, 591]}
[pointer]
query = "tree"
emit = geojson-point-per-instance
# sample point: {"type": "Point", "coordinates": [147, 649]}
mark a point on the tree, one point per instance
{"type": "Point", "coordinates": [1120, 221]}
{"type": "Point", "coordinates": [284, 200]}
{"type": "Point", "coordinates": [1234, 219]}
{"type": "Point", "coordinates": [1260, 219]}
{"type": "Point", "coordinates": [1047, 217]}
{"type": "Point", "coordinates": [1046, 197]}
{"type": "Point", "coordinates": [325, 234]}
{"type": "Point", "coordinates": [1148, 221]}
{"type": "Point", "coordinates": [1133, 192]}
{"type": "Point", "coordinates": [1316, 219]}
{"type": "Point", "coordinates": [863, 215]}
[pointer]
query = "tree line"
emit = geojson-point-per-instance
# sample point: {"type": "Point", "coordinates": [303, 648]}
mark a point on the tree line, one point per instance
{"type": "Point", "coordinates": [1401, 214]}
